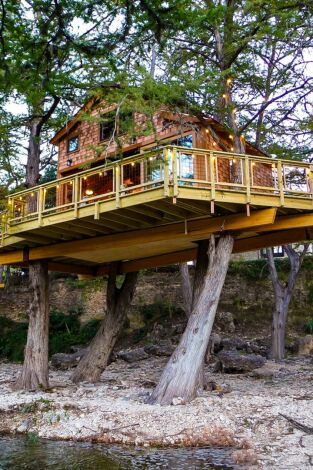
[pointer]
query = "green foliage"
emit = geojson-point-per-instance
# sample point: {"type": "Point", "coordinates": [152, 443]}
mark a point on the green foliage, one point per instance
{"type": "Point", "coordinates": [309, 326]}
{"type": "Point", "coordinates": [65, 331]}
{"type": "Point", "coordinates": [252, 270]}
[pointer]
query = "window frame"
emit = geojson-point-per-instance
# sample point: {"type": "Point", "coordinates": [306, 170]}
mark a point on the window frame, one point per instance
{"type": "Point", "coordinates": [68, 151]}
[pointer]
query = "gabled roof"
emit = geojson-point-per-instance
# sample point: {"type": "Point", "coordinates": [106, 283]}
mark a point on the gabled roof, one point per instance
{"type": "Point", "coordinates": [205, 120]}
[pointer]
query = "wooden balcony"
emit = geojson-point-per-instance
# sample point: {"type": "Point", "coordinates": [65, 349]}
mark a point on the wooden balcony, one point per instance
{"type": "Point", "coordinates": [162, 187]}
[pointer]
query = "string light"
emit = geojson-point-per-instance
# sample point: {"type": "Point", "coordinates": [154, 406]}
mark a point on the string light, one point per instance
{"type": "Point", "coordinates": [232, 149]}
{"type": "Point", "coordinates": [231, 136]}
{"type": "Point", "coordinates": [229, 81]}
{"type": "Point", "coordinates": [224, 95]}
{"type": "Point", "coordinates": [207, 131]}
{"type": "Point", "coordinates": [133, 163]}
{"type": "Point", "coordinates": [89, 192]}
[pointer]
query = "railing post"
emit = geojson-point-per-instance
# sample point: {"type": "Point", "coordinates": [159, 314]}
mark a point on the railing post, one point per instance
{"type": "Point", "coordinates": [212, 180]}
{"type": "Point", "coordinates": [175, 183]}
{"type": "Point", "coordinates": [41, 199]}
{"type": "Point", "coordinates": [117, 185]}
{"type": "Point", "coordinates": [311, 181]}
{"type": "Point", "coordinates": [247, 178]}
{"type": "Point", "coordinates": [166, 170]}
{"type": "Point", "coordinates": [280, 183]}
{"type": "Point", "coordinates": [76, 195]}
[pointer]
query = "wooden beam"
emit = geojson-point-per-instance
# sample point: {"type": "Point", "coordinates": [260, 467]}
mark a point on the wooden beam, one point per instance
{"type": "Point", "coordinates": [71, 268]}
{"type": "Point", "coordinates": [290, 222]}
{"type": "Point", "coordinates": [193, 231]}
{"type": "Point", "coordinates": [272, 239]}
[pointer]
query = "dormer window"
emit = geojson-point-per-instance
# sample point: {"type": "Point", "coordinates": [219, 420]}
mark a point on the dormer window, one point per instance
{"type": "Point", "coordinates": [73, 144]}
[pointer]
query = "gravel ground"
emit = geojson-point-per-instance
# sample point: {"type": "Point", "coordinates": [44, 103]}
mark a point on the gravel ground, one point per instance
{"type": "Point", "coordinates": [246, 417]}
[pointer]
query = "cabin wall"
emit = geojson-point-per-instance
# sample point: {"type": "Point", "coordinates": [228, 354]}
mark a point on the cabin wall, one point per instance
{"type": "Point", "coordinates": [225, 170]}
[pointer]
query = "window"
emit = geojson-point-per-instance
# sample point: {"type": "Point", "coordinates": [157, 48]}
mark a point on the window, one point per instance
{"type": "Point", "coordinates": [107, 125]}
{"type": "Point", "coordinates": [73, 144]}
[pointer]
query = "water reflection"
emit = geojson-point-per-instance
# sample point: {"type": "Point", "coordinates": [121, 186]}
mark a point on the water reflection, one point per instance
{"type": "Point", "coordinates": [22, 454]}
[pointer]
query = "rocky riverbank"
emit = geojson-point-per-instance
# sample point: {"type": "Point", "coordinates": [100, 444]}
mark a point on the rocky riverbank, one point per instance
{"type": "Point", "coordinates": [239, 411]}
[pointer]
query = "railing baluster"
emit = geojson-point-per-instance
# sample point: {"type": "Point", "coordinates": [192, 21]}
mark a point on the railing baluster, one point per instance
{"type": "Point", "coordinates": [175, 183]}
{"type": "Point", "coordinates": [166, 170]}
{"type": "Point", "coordinates": [117, 185]}
{"type": "Point", "coordinates": [76, 195]}
{"type": "Point", "coordinates": [40, 204]}
{"type": "Point", "coordinates": [247, 178]}
{"type": "Point", "coordinates": [280, 183]}
{"type": "Point", "coordinates": [212, 175]}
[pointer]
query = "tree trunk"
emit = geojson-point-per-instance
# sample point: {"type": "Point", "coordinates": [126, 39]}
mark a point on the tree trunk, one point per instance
{"type": "Point", "coordinates": [282, 292]}
{"type": "Point", "coordinates": [186, 288]}
{"type": "Point", "coordinates": [181, 375]}
{"type": "Point", "coordinates": [278, 331]}
{"type": "Point", "coordinates": [35, 370]}
{"type": "Point", "coordinates": [96, 359]}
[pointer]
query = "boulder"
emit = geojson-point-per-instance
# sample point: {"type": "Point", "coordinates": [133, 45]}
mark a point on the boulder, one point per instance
{"type": "Point", "coordinates": [133, 355]}
{"type": "Point", "coordinates": [66, 361]}
{"type": "Point", "coordinates": [304, 345]}
{"type": "Point", "coordinates": [163, 348]}
{"type": "Point", "coordinates": [235, 361]}
{"type": "Point", "coordinates": [234, 343]}
{"type": "Point", "coordinates": [225, 321]}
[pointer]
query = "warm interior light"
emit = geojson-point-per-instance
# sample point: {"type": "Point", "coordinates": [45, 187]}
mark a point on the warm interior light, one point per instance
{"type": "Point", "coordinates": [151, 158]}
{"type": "Point", "coordinates": [207, 131]}
{"type": "Point", "coordinates": [32, 194]}
{"type": "Point", "coordinates": [89, 192]}
{"type": "Point", "coordinates": [232, 149]}
{"type": "Point", "coordinates": [85, 177]}
{"type": "Point", "coordinates": [224, 95]}
{"type": "Point", "coordinates": [133, 163]}
{"type": "Point", "coordinates": [214, 144]}
{"type": "Point", "coordinates": [228, 81]}
{"type": "Point", "coordinates": [231, 136]}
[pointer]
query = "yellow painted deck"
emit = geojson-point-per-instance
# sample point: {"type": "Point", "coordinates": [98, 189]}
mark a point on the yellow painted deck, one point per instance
{"type": "Point", "coordinates": [152, 208]}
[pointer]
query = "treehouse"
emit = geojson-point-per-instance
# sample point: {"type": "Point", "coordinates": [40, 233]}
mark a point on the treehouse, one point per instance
{"type": "Point", "coordinates": [146, 198]}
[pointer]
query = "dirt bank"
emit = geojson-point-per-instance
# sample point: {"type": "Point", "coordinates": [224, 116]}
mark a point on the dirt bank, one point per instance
{"type": "Point", "coordinates": [245, 417]}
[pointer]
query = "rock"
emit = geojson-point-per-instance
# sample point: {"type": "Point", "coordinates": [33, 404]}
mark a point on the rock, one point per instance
{"type": "Point", "coordinates": [215, 387]}
{"type": "Point", "coordinates": [25, 425]}
{"type": "Point", "coordinates": [235, 361]}
{"type": "Point", "coordinates": [234, 343]}
{"type": "Point", "coordinates": [133, 355]}
{"type": "Point", "coordinates": [66, 361]}
{"type": "Point", "coordinates": [163, 348]}
{"type": "Point", "coordinates": [304, 345]}
{"type": "Point", "coordinates": [265, 372]}
{"type": "Point", "coordinates": [178, 401]}
{"type": "Point", "coordinates": [225, 321]}
{"type": "Point", "coordinates": [213, 346]}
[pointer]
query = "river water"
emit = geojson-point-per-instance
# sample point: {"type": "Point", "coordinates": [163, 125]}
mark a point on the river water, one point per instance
{"type": "Point", "coordinates": [31, 454]}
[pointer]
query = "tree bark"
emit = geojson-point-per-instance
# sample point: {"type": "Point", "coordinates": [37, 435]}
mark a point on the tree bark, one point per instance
{"type": "Point", "coordinates": [35, 372]}
{"type": "Point", "coordinates": [186, 288]}
{"type": "Point", "coordinates": [282, 293]}
{"type": "Point", "coordinates": [180, 377]}
{"type": "Point", "coordinates": [96, 359]}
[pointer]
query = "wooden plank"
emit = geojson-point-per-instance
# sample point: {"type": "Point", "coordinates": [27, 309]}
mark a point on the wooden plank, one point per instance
{"type": "Point", "coordinates": [196, 230]}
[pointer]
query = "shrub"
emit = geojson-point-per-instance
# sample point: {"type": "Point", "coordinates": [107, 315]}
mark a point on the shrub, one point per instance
{"type": "Point", "coordinates": [309, 326]}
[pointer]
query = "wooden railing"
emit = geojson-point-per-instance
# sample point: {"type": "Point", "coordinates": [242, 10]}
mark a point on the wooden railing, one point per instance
{"type": "Point", "coordinates": [171, 168]}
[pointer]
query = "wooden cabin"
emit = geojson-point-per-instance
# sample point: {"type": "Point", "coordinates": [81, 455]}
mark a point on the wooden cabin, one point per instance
{"type": "Point", "coordinates": [79, 138]}
{"type": "Point", "coordinates": [145, 198]}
